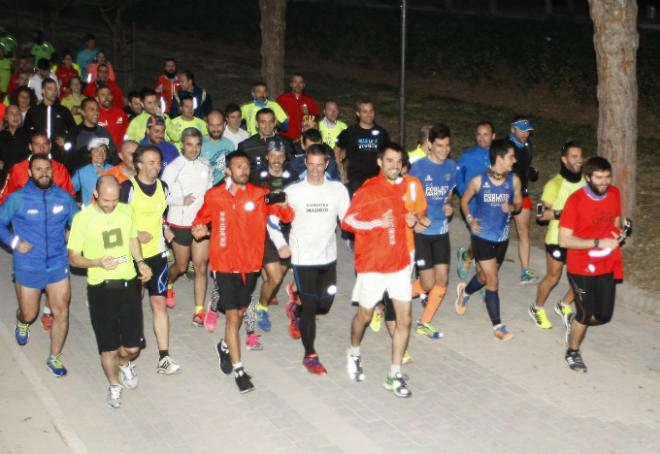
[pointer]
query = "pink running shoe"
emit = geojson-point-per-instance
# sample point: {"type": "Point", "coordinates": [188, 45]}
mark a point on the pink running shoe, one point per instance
{"type": "Point", "coordinates": [253, 343]}
{"type": "Point", "coordinates": [169, 298]}
{"type": "Point", "coordinates": [211, 318]}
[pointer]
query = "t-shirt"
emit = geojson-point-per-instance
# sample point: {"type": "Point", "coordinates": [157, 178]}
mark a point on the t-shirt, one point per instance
{"type": "Point", "coordinates": [176, 127]}
{"type": "Point", "coordinates": [591, 218]}
{"type": "Point", "coordinates": [331, 133]}
{"type": "Point", "coordinates": [490, 199]}
{"type": "Point", "coordinates": [249, 114]}
{"type": "Point", "coordinates": [117, 173]}
{"type": "Point", "coordinates": [236, 137]}
{"type": "Point", "coordinates": [438, 181]}
{"type": "Point", "coordinates": [215, 152]}
{"type": "Point", "coordinates": [84, 181]}
{"type": "Point", "coordinates": [361, 147]}
{"type": "Point", "coordinates": [555, 193]}
{"type": "Point", "coordinates": [97, 234]}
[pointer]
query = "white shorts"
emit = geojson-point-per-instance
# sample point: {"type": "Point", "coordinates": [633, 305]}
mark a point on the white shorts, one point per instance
{"type": "Point", "coordinates": [370, 287]}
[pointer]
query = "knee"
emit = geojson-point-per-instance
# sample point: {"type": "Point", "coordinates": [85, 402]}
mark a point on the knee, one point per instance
{"type": "Point", "coordinates": [200, 267]}
{"type": "Point", "coordinates": [492, 282]}
{"type": "Point", "coordinates": [131, 351]}
{"type": "Point", "coordinates": [180, 267]}
{"type": "Point", "coordinates": [404, 321]}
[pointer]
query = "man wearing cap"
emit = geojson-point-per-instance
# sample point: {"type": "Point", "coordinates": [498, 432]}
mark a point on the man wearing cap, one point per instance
{"type": "Point", "coordinates": [151, 106]}
{"type": "Point", "coordinates": [85, 132]}
{"type": "Point", "coordinates": [156, 136]}
{"type": "Point", "coordinates": [256, 146]}
{"type": "Point", "coordinates": [521, 129]}
{"type": "Point", "coordinates": [84, 180]}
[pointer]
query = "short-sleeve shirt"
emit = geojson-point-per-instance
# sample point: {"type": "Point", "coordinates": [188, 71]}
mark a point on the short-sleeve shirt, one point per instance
{"type": "Point", "coordinates": [361, 147]}
{"type": "Point", "coordinates": [215, 152]}
{"type": "Point", "coordinates": [591, 218]}
{"type": "Point", "coordinates": [438, 181]}
{"type": "Point", "coordinates": [97, 234]}
{"type": "Point", "coordinates": [249, 114]}
{"type": "Point", "coordinates": [555, 193]}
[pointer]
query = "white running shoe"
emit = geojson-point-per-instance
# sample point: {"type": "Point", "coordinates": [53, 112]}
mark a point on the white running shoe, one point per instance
{"type": "Point", "coordinates": [354, 367]}
{"type": "Point", "coordinates": [128, 375]}
{"type": "Point", "coordinates": [114, 396]}
{"type": "Point", "coordinates": [167, 366]}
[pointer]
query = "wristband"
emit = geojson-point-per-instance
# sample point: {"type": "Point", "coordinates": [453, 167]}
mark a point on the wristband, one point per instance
{"type": "Point", "coordinates": [596, 242]}
{"type": "Point", "coordinates": [469, 218]}
{"type": "Point", "coordinates": [557, 214]}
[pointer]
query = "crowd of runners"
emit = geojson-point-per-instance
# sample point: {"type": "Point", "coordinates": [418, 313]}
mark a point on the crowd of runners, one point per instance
{"type": "Point", "coordinates": [136, 190]}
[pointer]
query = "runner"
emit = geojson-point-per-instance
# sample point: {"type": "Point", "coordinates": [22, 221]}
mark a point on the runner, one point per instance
{"type": "Point", "coordinates": [187, 178]}
{"type": "Point", "coordinates": [498, 195]}
{"type": "Point", "coordinates": [155, 135]}
{"type": "Point", "coordinates": [234, 132]}
{"type": "Point", "coordinates": [297, 104]}
{"type": "Point", "coordinates": [236, 211]}
{"type": "Point", "coordinates": [215, 146]}
{"type": "Point", "coordinates": [330, 126]}
{"type": "Point", "coordinates": [259, 102]}
{"type": "Point", "coordinates": [39, 214]}
{"type": "Point", "coordinates": [138, 125]}
{"type": "Point", "coordinates": [378, 217]}
{"type": "Point", "coordinates": [112, 118]}
{"type": "Point", "coordinates": [147, 195]}
{"type": "Point", "coordinates": [256, 147]}
{"type": "Point", "coordinates": [202, 103]}
{"type": "Point", "coordinates": [187, 119]}
{"type": "Point", "coordinates": [166, 85]}
{"type": "Point", "coordinates": [104, 239]}
{"type": "Point", "coordinates": [437, 174]}
{"type": "Point", "coordinates": [84, 180]}
{"type": "Point", "coordinates": [556, 191]}
{"type": "Point", "coordinates": [125, 170]}
{"type": "Point", "coordinates": [589, 229]}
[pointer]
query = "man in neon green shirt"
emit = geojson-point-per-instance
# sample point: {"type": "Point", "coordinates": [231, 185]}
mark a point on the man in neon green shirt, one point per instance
{"type": "Point", "coordinates": [138, 125]}
{"type": "Point", "coordinates": [5, 69]}
{"type": "Point", "coordinates": [260, 101]}
{"type": "Point", "coordinates": [422, 144]}
{"type": "Point", "coordinates": [187, 119]}
{"type": "Point", "coordinates": [555, 193]}
{"type": "Point", "coordinates": [330, 127]}
{"type": "Point", "coordinates": [40, 47]}
{"type": "Point", "coordinates": [104, 239]}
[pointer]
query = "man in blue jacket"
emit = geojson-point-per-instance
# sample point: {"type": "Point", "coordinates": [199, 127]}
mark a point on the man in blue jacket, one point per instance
{"type": "Point", "coordinates": [39, 214]}
{"type": "Point", "coordinates": [472, 162]}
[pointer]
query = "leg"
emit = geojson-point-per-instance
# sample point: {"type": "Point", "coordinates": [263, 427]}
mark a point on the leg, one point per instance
{"type": "Point", "coordinates": [401, 335]}
{"type": "Point", "coordinates": [59, 295]}
{"type": "Point", "coordinates": [274, 275]}
{"type": "Point", "coordinates": [161, 322]}
{"type": "Point", "coordinates": [110, 364]}
{"type": "Point", "coordinates": [359, 325]}
{"type": "Point", "coordinates": [522, 221]}
{"type": "Point", "coordinates": [234, 319]}
{"type": "Point", "coordinates": [437, 292]}
{"type": "Point", "coordinates": [490, 269]}
{"type": "Point", "coordinates": [200, 258]}
{"type": "Point", "coordinates": [28, 303]}
{"type": "Point", "coordinates": [307, 311]}
{"type": "Point", "coordinates": [550, 280]}
{"type": "Point", "coordinates": [181, 259]}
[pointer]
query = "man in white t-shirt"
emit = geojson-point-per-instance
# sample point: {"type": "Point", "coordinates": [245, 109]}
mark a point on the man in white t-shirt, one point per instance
{"type": "Point", "coordinates": [233, 131]}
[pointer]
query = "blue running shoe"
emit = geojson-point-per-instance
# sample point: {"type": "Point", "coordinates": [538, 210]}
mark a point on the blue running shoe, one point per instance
{"type": "Point", "coordinates": [56, 366]}
{"type": "Point", "coordinates": [22, 332]}
{"type": "Point", "coordinates": [263, 318]}
{"type": "Point", "coordinates": [462, 268]}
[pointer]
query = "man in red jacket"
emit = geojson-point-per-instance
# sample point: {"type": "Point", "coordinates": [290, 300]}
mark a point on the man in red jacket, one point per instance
{"type": "Point", "coordinates": [102, 80]}
{"type": "Point", "coordinates": [297, 104]}
{"type": "Point", "coordinates": [167, 85]}
{"type": "Point", "coordinates": [19, 172]}
{"type": "Point", "coordinates": [378, 218]}
{"type": "Point", "coordinates": [111, 117]}
{"type": "Point", "coordinates": [237, 212]}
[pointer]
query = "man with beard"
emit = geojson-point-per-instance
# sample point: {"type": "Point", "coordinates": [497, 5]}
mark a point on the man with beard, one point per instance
{"type": "Point", "coordinates": [260, 101]}
{"type": "Point", "coordinates": [167, 85]}
{"type": "Point", "coordinates": [138, 124]}
{"type": "Point", "coordinates": [555, 193]}
{"type": "Point", "coordinates": [39, 213]}
{"type": "Point", "coordinates": [297, 104]}
{"type": "Point", "coordinates": [216, 147]}
{"type": "Point", "coordinates": [202, 103]}
{"type": "Point", "coordinates": [589, 228]}
{"type": "Point", "coordinates": [103, 80]}
{"type": "Point", "coordinates": [85, 132]}
{"type": "Point", "coordinates": [111, 118]}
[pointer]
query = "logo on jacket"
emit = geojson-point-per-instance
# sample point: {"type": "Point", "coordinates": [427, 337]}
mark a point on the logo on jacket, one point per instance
{"type": "Point", "coordinates": [58, 209]}
{"type": "Point", "coordinates": [249, 206]}
{"type": "Point", "coordinates": [32, 211]}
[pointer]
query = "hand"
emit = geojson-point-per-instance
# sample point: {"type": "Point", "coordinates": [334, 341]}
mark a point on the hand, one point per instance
{"type": "Point", "coordinates": [611, 243]}
{"type": "Point", "coordinates": [284, 252]}
{"type": "Point", "coordinates": [169, 235]}
{"type": "Point", "coordinates": [507, 208]}
{"type": "Point", "coordinates": [474, 225]}
{"type": "Point", "coordinates": [199, 231]}
{"type": "Point", "coordinates": [411, 219]}
{"type": "Point", "coordinates": [448, 209]}
{"type": "Point", "coordinates": [387, 220]}
{"type": "Point", "coordinates": [108, 263]}
{"type": "Point", "coordinates": [424, 221]}
{"type": "Point", "coordinates": [188, 199]}
{"type": "Point", "coordinates": [419, 227]}
{"type": "Point", "coordinates": [144, 237]}
{"type": "Point", "coordinates": [145, 272]}
{"type": "Point", "coordinates": [23, 247]}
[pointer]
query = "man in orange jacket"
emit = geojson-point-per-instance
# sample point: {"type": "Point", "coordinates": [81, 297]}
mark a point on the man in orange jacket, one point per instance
{"type": "Point", "coordinates": [237, 212]}
{"type": "Point", "coordinates": [379, 219]}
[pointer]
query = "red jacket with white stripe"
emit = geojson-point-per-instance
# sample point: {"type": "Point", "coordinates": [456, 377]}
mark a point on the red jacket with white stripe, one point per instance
{"type": "Point", "coordinates": [19, 175]}
{"type": "Point", "coordinates": [238, 226]}
{"type": "Point", "coordinates": [378, 250]}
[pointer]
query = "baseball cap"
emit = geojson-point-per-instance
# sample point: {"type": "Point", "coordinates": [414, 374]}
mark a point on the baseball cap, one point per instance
{"type": "Point", "coordinates": [98, 142]}
{"type": "Point", "coordinates": [155, 120]}
{"type": "Point", "coordinates": [523, 125]}
{"type": "Point", "coordinates": [275, 145]}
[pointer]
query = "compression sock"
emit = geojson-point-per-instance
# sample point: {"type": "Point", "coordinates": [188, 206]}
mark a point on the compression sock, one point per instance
{"type": "Point", "coordinates": [473, 286]}
{"type": "Point", "coordinates": [436, 295]}
{"type": "Point", "coordinates": [493, 306]}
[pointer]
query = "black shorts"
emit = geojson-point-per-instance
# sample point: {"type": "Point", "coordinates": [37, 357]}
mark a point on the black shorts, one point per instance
{"type": "Point", "coordinates": [487, 250]}
{"type": "Point", "coordinates": [116, 313]}
{"type": "Point", "coordinates": [271, 255]}
{"type": "Point", "coordinates": [317, 284]}
{"type": "Point", "coordinates": [157, 285]}
{"type": "Point", "coordinates": [556, 252]}
{"type": "Point", "coordinates": [594, 297]}
{"type": "Point", "coordinates": [431, 250]}
{"type": "Point", "coordinates": [182, 235]}
{"type": "Point", "coordinates": [235, 293]}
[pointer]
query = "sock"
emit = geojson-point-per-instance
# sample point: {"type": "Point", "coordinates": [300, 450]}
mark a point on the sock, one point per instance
{"type": "Point", "coordinates": [417, 288]}
{"type": "Point", "coordinates": [163, 353]}
{"type": "Point", "coordinates": [436, 295]}
{"type": "Point", "coordinates": [198, 309]}
{"type": "Point", "coordinates": [261, 307]}
{"type": "Point", "coordinates": [570, 351]}
{"type": "Point", "coordinates": [237, 366]}
{"type": "Point", "coordinates": [473, 286]}
{"type": "Point", "coordinates": [170, 286]}
{"type": "Point", "coordinates": [355, 351]}
{"type": "Point", "coordinates": [47, 311]}
{"type": "Point", "coordinates": [395, 369]}
{"type": "Point", "coordinates": [493, 306]}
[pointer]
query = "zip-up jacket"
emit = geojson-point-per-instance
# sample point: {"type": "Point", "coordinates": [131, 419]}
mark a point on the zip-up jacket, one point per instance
{"type": "Point", "coordinates": [378, 250]}
{"type": "Point", "coordinates": [39, 217]}
{"type": "Point", "coordinates": [201, 102]}
{"type": "Point", "coordinates": [185, 177]}
{"type": "Point", "coordinates": [19, 176]}
{"type": "Point", "coordinates": [166, 89]}
{"type": "Point", "coordinates": [238, 226]}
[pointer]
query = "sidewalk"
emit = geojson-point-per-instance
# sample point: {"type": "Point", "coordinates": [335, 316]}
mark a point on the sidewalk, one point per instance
{"type": "Point", "coordinates": [471, 393]}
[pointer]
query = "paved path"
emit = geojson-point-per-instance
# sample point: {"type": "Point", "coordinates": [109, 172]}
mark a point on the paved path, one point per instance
{"type": "Point", "coordinates": [471, 393]}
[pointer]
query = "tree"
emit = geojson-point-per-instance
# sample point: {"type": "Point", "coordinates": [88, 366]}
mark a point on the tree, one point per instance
{"type": "Point", "coordinates": [273, 26]}
{"type": "Point", "coordinates": [616, 41]}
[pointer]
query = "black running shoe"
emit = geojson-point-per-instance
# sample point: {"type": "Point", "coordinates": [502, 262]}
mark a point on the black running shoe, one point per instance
{"type": "Point", "coordinates": [243, 381]}
{"type": "Point", "coordinates": [575, 362]}
{"type": "Point", "coordinates": [224, 363]}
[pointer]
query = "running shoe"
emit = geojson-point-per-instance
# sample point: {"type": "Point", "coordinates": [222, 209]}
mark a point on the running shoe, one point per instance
{"type": "Point", "coordinates": [253, 343]}
{"type": "Point", "coordinates": [569, 321]}
{"type": "Point", "coordinates": [313, 365]}
{"type": "Point", "coordinates": [563, 310]}
{"type": "Point", "coordinates": [167, 366]}
{"type": "Point", "coordinates": [263, 318]}
{"type": "Point", "coordinates": [190, 272]}
{"type": "Point", "coordinates": [528, 277]}
{"type": "Point", "coordinates": [398, 385]}
{"type": "Point", "coordinates": [426, 329]}
{"type": "Point", "coordinates": [128, 375]}
{"type": "Point", "coordinates": [376, 321]}
{"type": "Point", "coordinates": [170, 301]}
{"type": "Point", "coordinates": [243, 381]}
{"type": "Point", "coordinates": [55, 365]}
{"type": "Point", "coordinates": [211, 317]}
{"type": "Point", "coordinates": [113, 398]}
{"type": "Point", "coordinates": [540, 317]}
{"type": "Point", "coordinates": [47, 322]}
{"type": "Point", "coordinates": [461, 299]}
{"type": "Point", "coordinates": [22, 332]}
{"type": "Point", "coordinates": [354, 367]}
{"type": "Point", "coordinates": [462, 267]}
{"type": "Point", "coordinates": [293, 296]}
{"type": "Point", "coordinates": [575, 362]}
{"type": "Point", "coordinates": [294, 320]}
{"type": "Point", "coordinates": [198, 318]}
{"type": "Point", "coordinates": [501, 332]}
{"type": "Point", "coordinates": [407, 358]}
{"type": "Point", "coordinates": [224, 361]}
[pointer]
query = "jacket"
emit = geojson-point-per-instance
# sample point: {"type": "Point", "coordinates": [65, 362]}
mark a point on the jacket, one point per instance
{"type": "Point", "coordinates": [185, 177]}
{"type": "Point", "coordinates": [19, 176]}
{"type": "Point", "coordinates": [166, 89]}
{"type": "Point", "coordinates": [201, 102]}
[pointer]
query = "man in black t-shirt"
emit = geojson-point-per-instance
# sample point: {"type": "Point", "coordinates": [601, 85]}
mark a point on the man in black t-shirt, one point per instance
{"type": "Point", "coordinates": [359, 144]}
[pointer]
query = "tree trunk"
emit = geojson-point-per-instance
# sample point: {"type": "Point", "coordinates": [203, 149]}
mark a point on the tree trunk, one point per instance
{"type": "Point", "coordinates": [273, 26]}
{"type": "Point", "coordinates": [616, 41]}
{"type": "Point", "coordinates": [547, 10]}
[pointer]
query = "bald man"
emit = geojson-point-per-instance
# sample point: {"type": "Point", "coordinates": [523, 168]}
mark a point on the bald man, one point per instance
{"type": "Point", "coordinates": [215, 147]}
{"type": "Point", "coordinates": [104, 239]}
